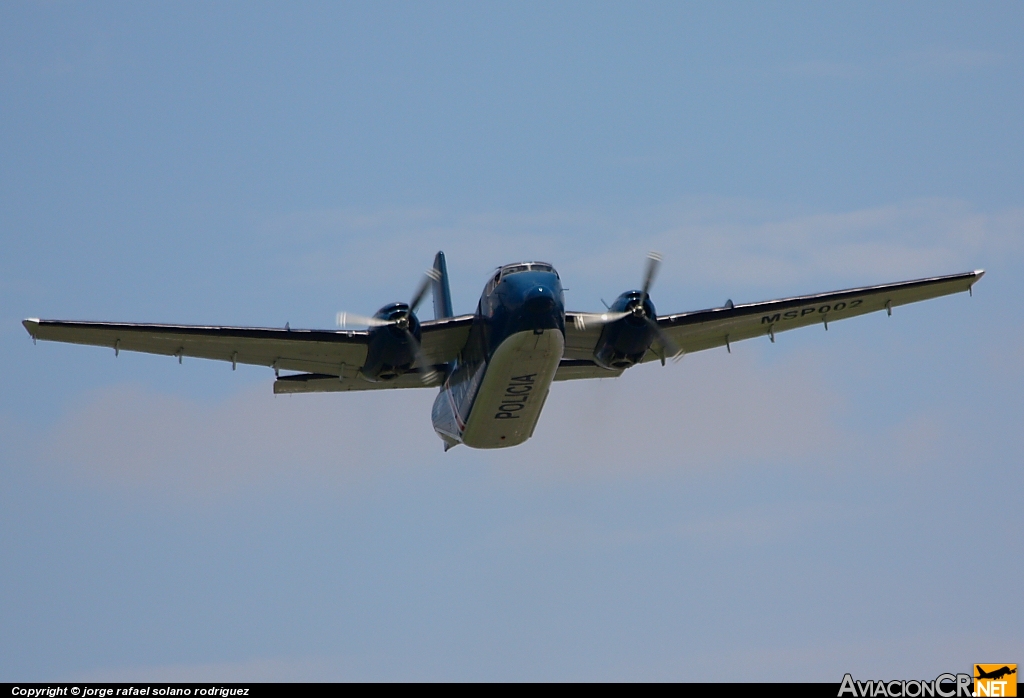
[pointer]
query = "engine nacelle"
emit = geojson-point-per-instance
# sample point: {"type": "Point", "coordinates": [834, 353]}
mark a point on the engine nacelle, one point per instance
{"type": "Point", "coordinates": [625, 341]}
{"type": "Point", "coordinates": [391, 349]}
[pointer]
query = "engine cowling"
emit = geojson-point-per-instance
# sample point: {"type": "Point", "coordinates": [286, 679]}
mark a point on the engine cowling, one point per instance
{"type": "Point", "coordinates": [391, 349]}
{"type": "Point", "coordinates": [624, 342]}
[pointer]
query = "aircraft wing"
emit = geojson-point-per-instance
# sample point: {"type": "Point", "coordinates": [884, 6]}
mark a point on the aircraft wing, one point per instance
{"type": "Point", "coordinates": [326, 352]}
{"type": "Point", "coordinates": [715, 327]}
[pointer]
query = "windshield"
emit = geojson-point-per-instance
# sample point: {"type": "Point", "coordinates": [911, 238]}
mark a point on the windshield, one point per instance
{"type": "Point", "coordinates": [526, 266]}
{"type": "Point", "coordinates": [514, 269]}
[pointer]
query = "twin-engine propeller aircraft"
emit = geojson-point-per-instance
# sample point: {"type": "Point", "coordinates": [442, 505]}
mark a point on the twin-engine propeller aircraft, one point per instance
{"type": "Point", "coordinates": [494, 367]}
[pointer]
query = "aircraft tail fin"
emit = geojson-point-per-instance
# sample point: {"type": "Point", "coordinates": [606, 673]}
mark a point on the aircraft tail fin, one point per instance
{"type": "Point", "coordinates": [442, 294]}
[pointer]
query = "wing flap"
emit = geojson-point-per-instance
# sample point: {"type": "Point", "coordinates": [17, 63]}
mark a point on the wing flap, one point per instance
{"type": "Point", "coordinates": [578, 369]}
{"type": "Point", "coordinates": [443, 339]}
{"type": "Point", "coordinates": [325, 383]}
{"type": "Point", "coordinates": [579, 343]}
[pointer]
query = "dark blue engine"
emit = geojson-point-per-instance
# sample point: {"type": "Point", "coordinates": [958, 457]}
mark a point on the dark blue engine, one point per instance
{"type": "Point", "coordinates": [625, 341]}
{"type": "Point", "coordinates": [392, 348]}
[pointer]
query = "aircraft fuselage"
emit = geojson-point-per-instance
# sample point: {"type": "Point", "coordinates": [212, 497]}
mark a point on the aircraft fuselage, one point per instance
{"type": "Point", "coordinates": [495, 390]}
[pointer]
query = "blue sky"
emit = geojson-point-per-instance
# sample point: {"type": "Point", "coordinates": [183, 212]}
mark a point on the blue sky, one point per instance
{"type": "Point", "coordinates": [828, 503]}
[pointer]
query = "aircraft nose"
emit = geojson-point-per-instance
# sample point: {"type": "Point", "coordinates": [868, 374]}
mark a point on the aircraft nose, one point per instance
{"type": "Point", "coordinates": [539, 299]}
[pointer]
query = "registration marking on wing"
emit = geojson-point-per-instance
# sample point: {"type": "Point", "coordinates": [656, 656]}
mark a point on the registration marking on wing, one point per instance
{"type": "Point", "coordinates": [796, 313]}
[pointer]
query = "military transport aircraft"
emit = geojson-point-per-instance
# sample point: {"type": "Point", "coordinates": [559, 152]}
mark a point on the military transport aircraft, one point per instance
{"type": "Point", "coordinates": [494, 367]}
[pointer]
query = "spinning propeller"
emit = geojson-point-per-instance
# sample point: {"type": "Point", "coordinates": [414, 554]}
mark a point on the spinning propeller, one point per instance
{"type": "Point", "coordinates": [635, 308]}
{"type": "Point", "coordinates": [638, 310]}
{"type": "Point", "coordinates": [400, 319]}
{"type": "Point", "coordinates": [582, 320]}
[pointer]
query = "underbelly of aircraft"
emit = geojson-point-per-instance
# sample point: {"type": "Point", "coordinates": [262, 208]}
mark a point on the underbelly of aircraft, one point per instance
{"type": "Point", "coordinates": [514, 388]}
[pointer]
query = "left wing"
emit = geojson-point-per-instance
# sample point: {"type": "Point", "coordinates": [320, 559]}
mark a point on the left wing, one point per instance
{"type": "Point", "coordinates": [716, 327]}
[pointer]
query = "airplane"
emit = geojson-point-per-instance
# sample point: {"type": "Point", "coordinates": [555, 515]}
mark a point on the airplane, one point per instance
{"type": "Point", "coordinates": [495, 366]}
{"type": "Point", "coordinates": [996, 674]}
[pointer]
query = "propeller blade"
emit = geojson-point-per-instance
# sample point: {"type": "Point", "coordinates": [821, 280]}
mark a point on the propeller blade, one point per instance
{"type": "Point", "coordinates": [429, 277]}
{"type": "Point", "coordinates": [347, 319]}
{"type": "Point", "coordinates": [666, 342]}
{"type": "Point", "coordinates": [583, 320]}
{"type": "Point", "coordinates": [653, 261]}
{"type": "Point", "coordinates": [427, 373]}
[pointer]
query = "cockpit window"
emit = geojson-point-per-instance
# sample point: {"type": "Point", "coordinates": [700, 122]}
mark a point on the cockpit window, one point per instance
{"type": "Point", "coordinates": [528, 266]}
{"type": "Point", "coordinates": [514, 269]}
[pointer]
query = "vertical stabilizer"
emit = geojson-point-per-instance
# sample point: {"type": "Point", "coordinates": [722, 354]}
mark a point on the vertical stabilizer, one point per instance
{"type": "Point", "coordinates": [442, 294]}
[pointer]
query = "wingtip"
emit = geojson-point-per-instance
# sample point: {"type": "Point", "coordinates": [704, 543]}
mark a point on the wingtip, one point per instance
{"type": "Point", "coordinates": [979, 273]}
{"type": "Point", "coordinates": [31, 324]}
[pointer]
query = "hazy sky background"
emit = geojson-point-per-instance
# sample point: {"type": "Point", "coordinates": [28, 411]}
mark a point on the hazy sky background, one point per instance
{"type": "Point", "coordinates": [833, 502]}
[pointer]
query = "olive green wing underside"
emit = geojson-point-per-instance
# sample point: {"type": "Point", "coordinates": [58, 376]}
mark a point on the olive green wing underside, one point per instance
{"type": "Point", "coordinates": [327, 352]}
{"type": "Point", "coordinates": [717, 327]}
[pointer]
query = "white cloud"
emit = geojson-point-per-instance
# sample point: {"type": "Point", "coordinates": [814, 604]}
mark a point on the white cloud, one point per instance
{"type": "Point", "coordinates": [708, 412]}
{"type": "Point", "coordinates": [706, 243]}
{"type": "Point", "coordinates": [917, 238]}
{"type": "Point", "coordinates": [733, 528]}
{"type": "Point", "coordinates": [127, 437]}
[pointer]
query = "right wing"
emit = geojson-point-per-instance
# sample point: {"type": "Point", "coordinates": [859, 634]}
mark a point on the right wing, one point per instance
{"type": "Point", "coordinates": [327, 352]}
